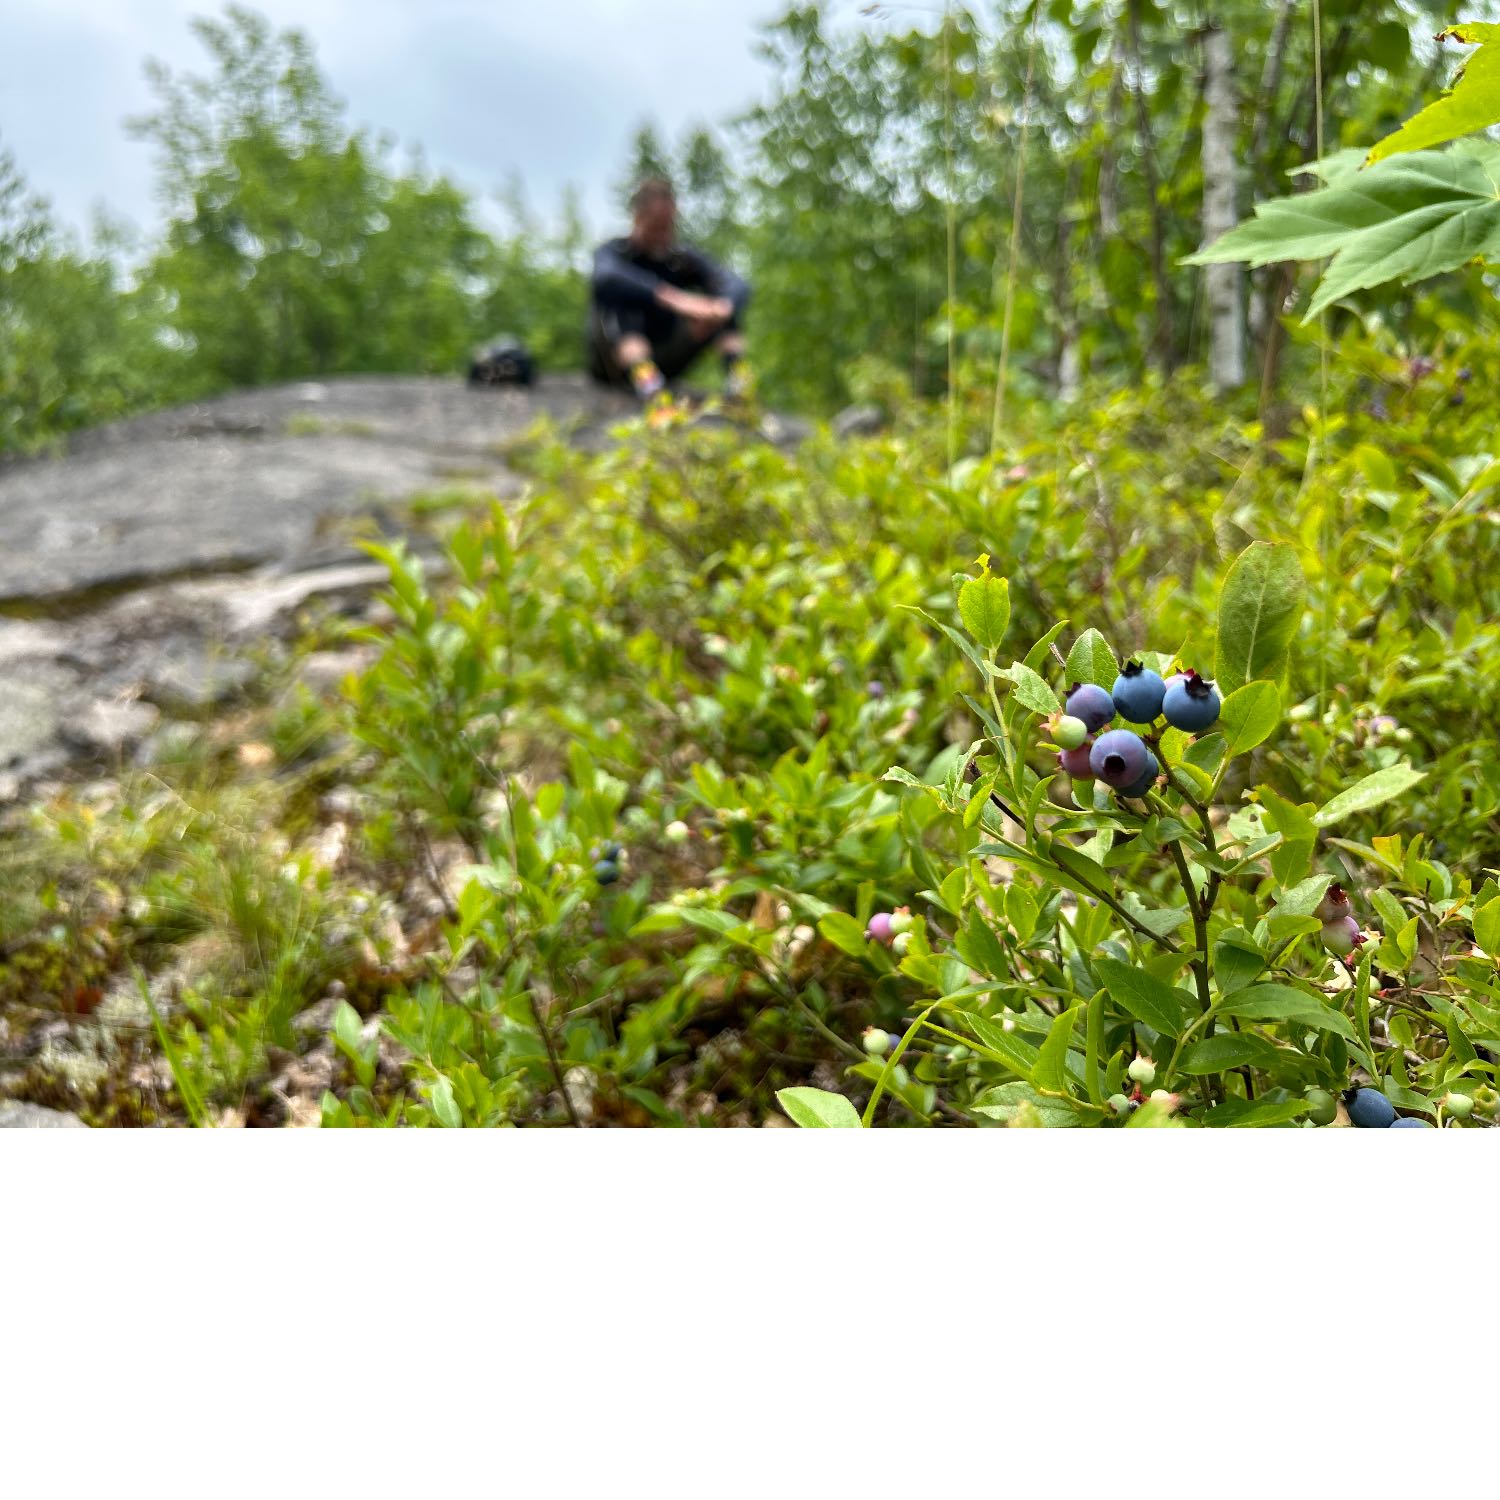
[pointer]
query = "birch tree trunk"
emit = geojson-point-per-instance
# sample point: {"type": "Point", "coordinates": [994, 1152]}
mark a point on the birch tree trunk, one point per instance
{"type": "Point", "coordinates": [1224, 283]}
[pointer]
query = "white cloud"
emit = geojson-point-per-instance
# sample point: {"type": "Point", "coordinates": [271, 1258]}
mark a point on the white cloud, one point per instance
{"type": "Point", "coordinates": [550, 90]}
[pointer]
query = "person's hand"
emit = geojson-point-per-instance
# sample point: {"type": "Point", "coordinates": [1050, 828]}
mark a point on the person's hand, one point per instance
{"type": "Point", "coordinates": [704, 314]}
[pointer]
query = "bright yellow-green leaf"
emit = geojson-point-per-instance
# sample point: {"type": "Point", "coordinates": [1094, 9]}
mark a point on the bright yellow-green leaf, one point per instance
{"type": "Point", "coordinates": [1471, 104]}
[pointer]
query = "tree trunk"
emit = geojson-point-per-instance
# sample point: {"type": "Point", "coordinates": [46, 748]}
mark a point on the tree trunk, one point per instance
{"type": "Point", "coordinates": [1164, 341]}
{"type": "Point", "coordinates": [1224, 283]}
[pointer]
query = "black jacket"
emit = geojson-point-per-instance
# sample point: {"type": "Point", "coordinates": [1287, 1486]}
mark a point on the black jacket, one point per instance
{"type": "Point", "coordinates": [625, 276]}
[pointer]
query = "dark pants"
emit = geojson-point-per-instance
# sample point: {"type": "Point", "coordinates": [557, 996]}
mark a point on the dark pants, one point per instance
{"type": "Point", "coordinates": [674, 345]}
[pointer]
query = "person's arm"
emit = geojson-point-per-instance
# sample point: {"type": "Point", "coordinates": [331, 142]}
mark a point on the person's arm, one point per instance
{"type": "Point", "coordinates": [720, 281]}
{"type": "Point", "coordinates": [618, 281]}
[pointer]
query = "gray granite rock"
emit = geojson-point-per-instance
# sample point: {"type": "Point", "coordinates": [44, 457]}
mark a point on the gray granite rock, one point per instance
{"type": "Point", "coordinates": [15, 1115]}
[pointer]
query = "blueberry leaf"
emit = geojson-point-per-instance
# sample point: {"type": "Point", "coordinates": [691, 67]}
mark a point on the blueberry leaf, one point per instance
{"type": "Point", "coordinates": [1031, 689]}
{"type": "Point", "coordinates": [817, 1109]}
{"type": "Point", "coordinates": [1260, 608]}
{"type": "Point", "coordinates": [1377, 787]}
{"type": "Point", "coordinates": [1143, 995]}
{"type": "Point", "coordinates": [1280, 1002]}
{"type": "Point", "coordinates": [1051, 1072]}
{"type": "Point", "coordinates": [444, 1106]}
{"type": "Point", "coordinates": [1249, 716]}
{"type": "Point", "coordinates": [984, 604]}
{"type": "Point", "coordinates": [1487, 927]}
{"type": "Point", "coordinates": [1091, 660]}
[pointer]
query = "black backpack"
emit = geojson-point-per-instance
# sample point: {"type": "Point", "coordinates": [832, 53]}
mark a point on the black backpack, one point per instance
{"type": "Point", "coordinates": [503, 361]}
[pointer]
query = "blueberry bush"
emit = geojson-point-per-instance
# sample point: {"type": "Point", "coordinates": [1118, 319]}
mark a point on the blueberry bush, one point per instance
{"type": "Point", "coordinates": [1141, 775]}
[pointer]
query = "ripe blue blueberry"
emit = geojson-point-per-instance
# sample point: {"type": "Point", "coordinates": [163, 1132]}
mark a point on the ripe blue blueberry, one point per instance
{"type": "Point", "coordinates": [606, 871]}
{"type": "Point", "coordinates": [1410, 1122]}
{"type": "Point", "coordinates": [1189, 703]}
{"type": "Point", "coordinates": [1145, 781]}
{"type": "Point", "coordinates": [1120, 758]}
{"type": "Point", "coordinates": [1138, 693]}
{"type": "Point", "coordinates": [1092, 704]}
{"type": "Point", "coordinates": [1369, 1109]}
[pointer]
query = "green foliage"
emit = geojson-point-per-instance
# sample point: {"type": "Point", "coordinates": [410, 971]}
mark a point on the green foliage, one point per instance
{"type": "Point", "coordinates": [292, 247]}
{"type": "Point", "coordinates": [75, 346]}
{"type": "Point", "coordinates": [1404, 219]}
{"type": "Point", "coordinates": [1471, 104]}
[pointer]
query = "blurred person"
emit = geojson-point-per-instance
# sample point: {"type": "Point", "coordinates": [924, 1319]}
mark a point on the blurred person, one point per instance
{"type": "Point", "coordinates": [657, 305]}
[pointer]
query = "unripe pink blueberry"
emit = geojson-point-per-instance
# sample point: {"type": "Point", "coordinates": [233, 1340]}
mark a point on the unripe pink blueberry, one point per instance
{"type": "Point", "coordinates": [879, 927]}
{"type": "Point", "coordinates": [1334, 906]}
{"type": "Point", "coordinates": [1342, 935]}
{"type": "Point", "coordinates": [1076, 762]}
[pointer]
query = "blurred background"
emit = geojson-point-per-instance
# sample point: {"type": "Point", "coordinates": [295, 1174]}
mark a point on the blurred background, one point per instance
{"type": "Point", "coordinates": [195, 199]}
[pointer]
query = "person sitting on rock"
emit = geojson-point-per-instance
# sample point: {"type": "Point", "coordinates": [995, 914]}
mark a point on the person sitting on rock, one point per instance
{"type": "Point", "coordinates": [657, 305]}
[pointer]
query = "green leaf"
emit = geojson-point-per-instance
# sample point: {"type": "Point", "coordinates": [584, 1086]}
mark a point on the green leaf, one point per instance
{"type": "Point", "coordinates": [817, 1109]}
{"type": "Point", "coordinates": [1091, 660]}
{"type": "Point", "coordinates": [1015, 1053]}
{"type": "Point", "coordinates": [1031, 689]}
{"type": "Point", "coordinates": [984, 604]}
{"type": "Point", "coordinates": [1280, 1002]}
{"type": "Point", "coordinates": [1260, 607]}
{"type": "Point", "coordinates": [1472, 103]}
{"type": "Point", "coordinates": [1237, 963]}
{"type": "Point", "coordinates": [1301, 900]}
{"type": "Point", "coordinates": [444, 1106]}
{"type": "Point", "coordinates": [1009, 1099]}
{"type": "Point", "coordinates": [1146, 997]}
{"type": "Point", "coordinates": [1051, 1072]}
{"type": "Point", "coordinates": [1229, 1049]}
{"type": "Point", "coordinates": [1241, 1114]}
{"type": "Point", "coordinates": [1487, 927]}
{"type": "Point", "coordinates": [1377, 787]}
{"type": "Point", "coordinates": [1249, 716]}
{"type": "Point", "coordinates": [1405, 219]}
{"type": "Point", "coordinates": [845, 933]}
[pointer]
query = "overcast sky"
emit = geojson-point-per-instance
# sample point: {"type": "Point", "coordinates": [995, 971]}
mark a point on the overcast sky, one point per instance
{"type": "Point", "coordinates": [550, 88]}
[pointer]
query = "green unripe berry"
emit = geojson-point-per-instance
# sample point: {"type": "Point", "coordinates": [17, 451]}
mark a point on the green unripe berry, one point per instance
{"type": "Point", "coordinates": [1322, 1107]}
{"type": "Point", "coordinates": [1142, 1071]}
{"type": "Point", "coordinates": [900, 943]}
{"type": "Point", "coordinates": [901, 920]}
{"type": "Point", "coordinates": [1460, 1106]}
{"type": "Point", "coordinates": [1069, 733]}
{"type": "Point", "coordinates": [877, 1041]}
{"type": "Point", "coordinates": [1120, 1104]}
{"type": "Point", "coordinates": [676, 832]}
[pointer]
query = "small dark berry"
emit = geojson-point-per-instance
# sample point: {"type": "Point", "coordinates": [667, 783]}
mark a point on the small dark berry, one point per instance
{"type": "Point", "coordinates": [1138, 693]}
{"type": "Point", "coordinates": [1369, 1109]}
{"type": "Point", "coordinates": [1089, 702]}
